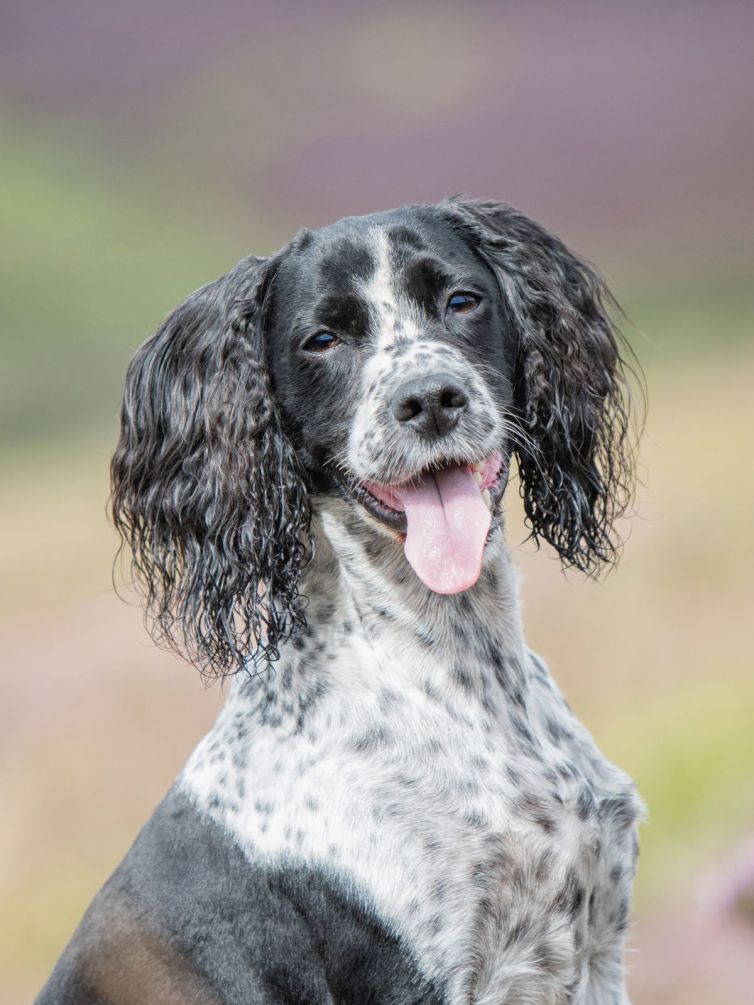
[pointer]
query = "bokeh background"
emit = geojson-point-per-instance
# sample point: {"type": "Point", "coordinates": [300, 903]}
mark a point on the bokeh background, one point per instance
{"type": "Point", "coordinates": [146, 146]}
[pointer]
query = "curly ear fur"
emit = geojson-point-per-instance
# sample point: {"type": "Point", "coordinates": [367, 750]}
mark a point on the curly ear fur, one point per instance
{"type": "Point", "coordinates": [206, 490]}
{"type": "Point", "coordinates": [571, 390]}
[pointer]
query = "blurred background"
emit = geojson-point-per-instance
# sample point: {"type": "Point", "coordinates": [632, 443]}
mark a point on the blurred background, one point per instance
{"type": "Point", "coordinates": [145, 148]}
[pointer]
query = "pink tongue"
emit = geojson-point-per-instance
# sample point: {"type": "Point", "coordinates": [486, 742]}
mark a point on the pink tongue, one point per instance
{"type": "Point", "coordinates": [448, 525]}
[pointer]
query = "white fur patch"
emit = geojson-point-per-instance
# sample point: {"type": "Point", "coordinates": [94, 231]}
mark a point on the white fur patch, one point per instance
{"type": "Point", "coordinates": [394, 316]}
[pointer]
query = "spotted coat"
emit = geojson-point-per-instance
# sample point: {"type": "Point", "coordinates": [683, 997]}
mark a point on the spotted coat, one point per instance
{"type": "Point", "coordinates": [402, 808]}
{"type": "Point", "coordinates": [416, 751]}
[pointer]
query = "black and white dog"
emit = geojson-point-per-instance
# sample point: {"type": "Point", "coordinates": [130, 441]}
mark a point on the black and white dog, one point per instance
{"type": "Point", "coordinates": [396, 804]}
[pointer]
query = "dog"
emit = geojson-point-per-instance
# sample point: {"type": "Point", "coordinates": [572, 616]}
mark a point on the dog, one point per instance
{"type": "Point", "coordinates": [396, 804]}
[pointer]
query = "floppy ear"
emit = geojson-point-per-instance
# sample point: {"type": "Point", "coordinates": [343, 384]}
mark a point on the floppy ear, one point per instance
{"type": "Point", "coordinates": [206, 489]}
{"type": "Point", "coordinates": [572, 398]}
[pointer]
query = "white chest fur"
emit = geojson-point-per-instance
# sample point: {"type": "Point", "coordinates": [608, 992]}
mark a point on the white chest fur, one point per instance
{"type": "Point", "coordinates": [438, 772]}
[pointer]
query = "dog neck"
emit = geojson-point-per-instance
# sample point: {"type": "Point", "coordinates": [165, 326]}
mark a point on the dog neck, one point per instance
{"type": "Point", "coordinates": [363, 596]}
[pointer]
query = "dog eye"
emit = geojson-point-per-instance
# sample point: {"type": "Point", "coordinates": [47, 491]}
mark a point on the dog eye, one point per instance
{"type": "Point", "coordinates": [462, 303]}
{"type": "Point", "coordinates": [321, 342]}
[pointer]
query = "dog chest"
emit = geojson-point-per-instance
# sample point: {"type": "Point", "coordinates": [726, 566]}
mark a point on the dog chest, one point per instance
{"type": "Point", "coordinates": [492, 838]}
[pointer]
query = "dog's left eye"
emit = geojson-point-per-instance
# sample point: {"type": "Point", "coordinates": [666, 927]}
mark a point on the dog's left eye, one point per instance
{"type": "Point", "coordinates": [321, 342]}
{"type": "Point", "coordinates": [462, 303]}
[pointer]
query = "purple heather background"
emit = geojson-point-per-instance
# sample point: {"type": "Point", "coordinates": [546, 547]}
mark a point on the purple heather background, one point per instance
{"type": "Point", "coordinates": [148, 146]}
{"type": "Point", "coordinates": [628, 125]}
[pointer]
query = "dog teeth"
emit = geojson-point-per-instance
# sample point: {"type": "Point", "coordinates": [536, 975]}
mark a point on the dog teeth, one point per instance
{"type": "Point", "coordinates": [477, 477]}
{"type": "Point", "coordinates": [487, 499]}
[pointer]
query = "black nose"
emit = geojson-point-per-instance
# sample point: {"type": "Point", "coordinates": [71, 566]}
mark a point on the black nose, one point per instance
{"type": "Point", "coordinates": [430, 405]}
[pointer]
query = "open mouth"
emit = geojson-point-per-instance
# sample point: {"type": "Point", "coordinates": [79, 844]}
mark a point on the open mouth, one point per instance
{"type": "Point", "coordinates": [446, 514]}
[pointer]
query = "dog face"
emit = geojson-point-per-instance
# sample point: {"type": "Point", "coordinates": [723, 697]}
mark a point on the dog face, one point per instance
{"type": "Point", "coordinates": [398, 361]}
{"type": "Point", "coordinates": [392, 361]}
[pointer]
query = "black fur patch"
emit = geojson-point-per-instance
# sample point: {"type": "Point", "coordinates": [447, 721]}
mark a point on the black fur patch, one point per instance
{"type": "Point", "coordinates": [218, 930]}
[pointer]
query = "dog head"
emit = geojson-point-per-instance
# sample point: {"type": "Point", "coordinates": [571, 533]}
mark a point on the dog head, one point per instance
{"type": "Point", "coordinates": [399, 361]}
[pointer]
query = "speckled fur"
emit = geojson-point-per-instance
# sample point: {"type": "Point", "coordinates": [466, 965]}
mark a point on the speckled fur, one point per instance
{"type": "Point", "coordinates": [401, 807]}
{"type": "Point", "coordinates": [412, 745]}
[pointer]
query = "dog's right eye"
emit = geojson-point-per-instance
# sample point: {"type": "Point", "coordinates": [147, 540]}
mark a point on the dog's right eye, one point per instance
{"type": "Point", "coordinates": [321, 342]}
{"type": "Point", "coordinates": [462, 303]}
